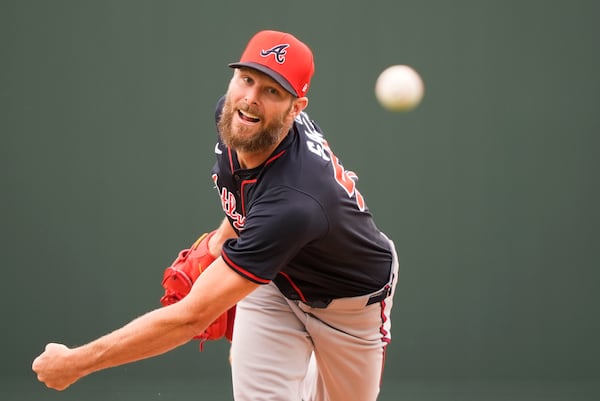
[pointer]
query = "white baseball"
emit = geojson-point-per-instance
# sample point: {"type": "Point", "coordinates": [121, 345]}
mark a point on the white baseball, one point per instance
{"type": "Point", "coordinates": [399, 88]}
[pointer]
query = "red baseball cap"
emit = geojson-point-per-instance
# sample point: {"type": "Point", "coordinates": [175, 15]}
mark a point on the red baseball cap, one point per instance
{"type": "Point", "coordinates": [281, 56]}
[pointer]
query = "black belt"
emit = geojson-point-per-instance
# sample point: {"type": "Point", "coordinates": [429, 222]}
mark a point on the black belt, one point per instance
{"type": "Point", "coordinates": [377, 297]}
{"type": "Point", "coordinates": [380, 296]}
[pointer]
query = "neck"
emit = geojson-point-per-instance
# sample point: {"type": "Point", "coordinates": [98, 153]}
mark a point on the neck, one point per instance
{"type": "Point", "coordinates": [249, 160]}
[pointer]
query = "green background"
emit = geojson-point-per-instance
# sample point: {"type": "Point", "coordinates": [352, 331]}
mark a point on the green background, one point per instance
{"type": "Point", "coordinates": [490, 188]}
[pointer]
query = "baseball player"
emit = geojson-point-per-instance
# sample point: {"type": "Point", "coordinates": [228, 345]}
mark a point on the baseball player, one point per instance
{"type": "Point", "coordinates": [297, 275]}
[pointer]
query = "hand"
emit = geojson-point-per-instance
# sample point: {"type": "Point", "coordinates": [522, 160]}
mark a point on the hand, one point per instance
{"type": "Point", "coordinates": [54, 367]}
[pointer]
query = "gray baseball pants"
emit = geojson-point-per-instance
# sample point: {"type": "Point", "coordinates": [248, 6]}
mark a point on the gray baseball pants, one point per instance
{"type": "Point", "coordinates": [284, 350]}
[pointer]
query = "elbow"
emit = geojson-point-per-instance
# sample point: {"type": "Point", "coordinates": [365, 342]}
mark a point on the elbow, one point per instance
{"type": "Point", "coordinates": [195, 327]}
{"type": "Point", "coordinates": [193, 322]}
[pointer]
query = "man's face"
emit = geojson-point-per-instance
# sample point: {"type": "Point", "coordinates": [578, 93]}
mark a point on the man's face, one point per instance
{"type": "Point", "coordinates": [257, 112]}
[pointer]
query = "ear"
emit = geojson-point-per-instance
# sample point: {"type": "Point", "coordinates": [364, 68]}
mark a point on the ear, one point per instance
{"type": "Point", "coordinates": [299, 105]}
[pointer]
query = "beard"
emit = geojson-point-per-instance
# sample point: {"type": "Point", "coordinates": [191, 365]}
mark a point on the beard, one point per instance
{"type": "Point", "coordinates": [240, 138]}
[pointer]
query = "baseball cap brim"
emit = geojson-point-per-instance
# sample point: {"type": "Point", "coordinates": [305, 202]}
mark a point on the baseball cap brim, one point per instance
{"type": "Point", "coordinates": [266, 70]}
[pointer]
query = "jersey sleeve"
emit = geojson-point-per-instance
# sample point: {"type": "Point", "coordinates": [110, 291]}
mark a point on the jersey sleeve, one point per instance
{"type": "Point", "coordinates": [277, 227]}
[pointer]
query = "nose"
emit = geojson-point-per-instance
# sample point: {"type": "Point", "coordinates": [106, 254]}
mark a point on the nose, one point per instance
{"type": "Point", "coordinates": [251, 95]}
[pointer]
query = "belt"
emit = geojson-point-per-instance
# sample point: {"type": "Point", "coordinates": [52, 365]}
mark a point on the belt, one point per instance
{"type": "Point", "coordinates": [380, 296]}
{"type": "Point", "coordinates": [370, 299]}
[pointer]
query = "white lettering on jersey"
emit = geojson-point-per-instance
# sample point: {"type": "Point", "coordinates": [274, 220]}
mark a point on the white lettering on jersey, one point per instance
{"type": "Point", "coordinates": [319, 146]}
{"type": "Point", "coordinates": [315, 145]}
{"type": "Point", "coordinates": [317, 149]}
{"type": "Point", "coordinates": [228, 204]}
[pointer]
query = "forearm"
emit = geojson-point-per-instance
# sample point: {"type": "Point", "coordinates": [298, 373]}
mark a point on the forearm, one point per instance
{"type": "Point", "coordinates": [151, 334]}
{"type": "Point", "coordinates": [148, 335]}
{"type": "Point", "coordinates": [163, 329]}
{"type": "Point", "coordinates": [215, 291]}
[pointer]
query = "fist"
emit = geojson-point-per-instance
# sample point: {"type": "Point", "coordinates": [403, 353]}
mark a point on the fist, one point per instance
{"type": "Point", "coordinates": [53, 367]}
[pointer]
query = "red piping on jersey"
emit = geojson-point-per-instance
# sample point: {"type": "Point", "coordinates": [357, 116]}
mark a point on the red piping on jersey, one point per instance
{"type": "Point", "coordinates": [243, 271]}
{"type": "Point", "coordinates": [277, 156]}
{"type": "Point", "coordinates": [245, 182]}
{"type": "Point", "coordinates": [230, 159]}
{"type": "Point", "coordinates": [296, 288]}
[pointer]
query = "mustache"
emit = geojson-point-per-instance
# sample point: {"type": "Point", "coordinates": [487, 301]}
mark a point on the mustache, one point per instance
{"type": "Point", "coordinates": [246, 108]}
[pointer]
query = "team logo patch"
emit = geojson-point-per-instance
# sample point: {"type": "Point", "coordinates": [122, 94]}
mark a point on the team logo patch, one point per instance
{"type": "Point", "coordinates": [277, 51]}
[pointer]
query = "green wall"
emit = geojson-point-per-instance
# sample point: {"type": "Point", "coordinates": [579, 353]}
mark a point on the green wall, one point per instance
{"type": "Point", "coordinates": [490, 188]}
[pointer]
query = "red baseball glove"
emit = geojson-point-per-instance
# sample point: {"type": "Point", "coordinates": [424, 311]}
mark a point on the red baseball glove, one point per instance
{"type": "Point", "coordinates": [181, 275]}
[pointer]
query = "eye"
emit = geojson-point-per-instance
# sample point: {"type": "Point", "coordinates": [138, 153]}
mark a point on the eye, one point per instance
{"type": "Point", "coordinates": [274, 92]}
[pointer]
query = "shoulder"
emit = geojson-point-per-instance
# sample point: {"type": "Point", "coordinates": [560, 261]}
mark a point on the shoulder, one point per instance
{"type": "Point", "coordinates": [219, 108]}
{"type": "Point", "coordinates": [306, 125]}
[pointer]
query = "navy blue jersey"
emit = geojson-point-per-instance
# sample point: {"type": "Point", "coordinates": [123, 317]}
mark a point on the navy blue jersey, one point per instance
{"type": "Point", "coordinates": [301, 221]}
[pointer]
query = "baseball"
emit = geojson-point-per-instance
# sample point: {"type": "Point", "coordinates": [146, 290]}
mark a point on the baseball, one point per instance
{"type": "Point", "coordinates": [399, 88]}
